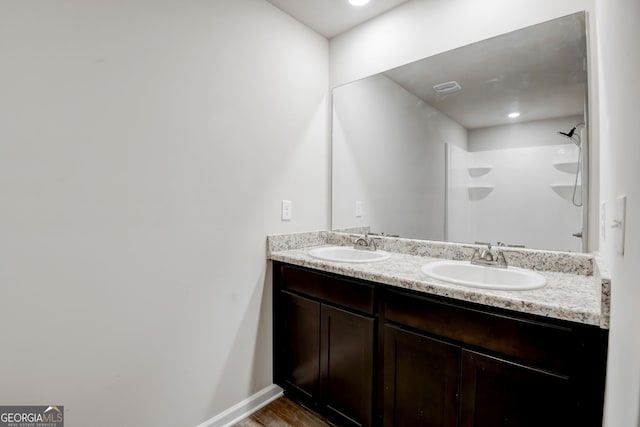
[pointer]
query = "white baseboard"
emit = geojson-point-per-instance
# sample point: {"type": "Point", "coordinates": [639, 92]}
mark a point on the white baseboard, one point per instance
{"type": "Point", "coordinates": [245, 408]}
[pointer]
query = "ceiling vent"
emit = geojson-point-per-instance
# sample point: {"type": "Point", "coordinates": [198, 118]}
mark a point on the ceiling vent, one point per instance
{"type": "Point", "coordinates": [448, 87]}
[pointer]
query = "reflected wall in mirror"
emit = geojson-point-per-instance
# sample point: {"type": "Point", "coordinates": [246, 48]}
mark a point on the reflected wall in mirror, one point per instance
{"type": "Point", "coordinates": [428, 150]}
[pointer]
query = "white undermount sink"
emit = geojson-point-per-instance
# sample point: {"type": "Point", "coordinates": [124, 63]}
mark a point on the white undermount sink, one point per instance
{"type": "Point", "coordinates": [478, 276]}
{"type": "Point", "coordinates": [348, 254]}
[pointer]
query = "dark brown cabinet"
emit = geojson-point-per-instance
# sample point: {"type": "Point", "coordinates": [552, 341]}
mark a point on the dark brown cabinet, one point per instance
{"type": "Point", "coordinates": [496, 392]}
{"type": "Point", "coordinates": [448, 363]}
{"type": "Point", "coordinates": [324, 344]}
{"type": "Point", "coordinates": [365, 354]}
{"type": "Point", "coordinates": [427, 380]}
{"type": "Point", "coordinates": [346, 365]}
{"type": "Point", "coordinates": [420, 380]}
{"type": "Point", "coordinates": [299, 350]}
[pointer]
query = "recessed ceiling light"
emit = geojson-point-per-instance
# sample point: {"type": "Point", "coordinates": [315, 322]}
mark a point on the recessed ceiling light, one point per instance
{"type": "Point", "coordinates": [358, 2]}
{"type": "Point", "coordinates": [514, 115]}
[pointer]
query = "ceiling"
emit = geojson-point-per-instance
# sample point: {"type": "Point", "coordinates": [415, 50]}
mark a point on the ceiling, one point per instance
{"type": "Point", "coordinates": [539, 71]}
{"type": "Point", "coordinates": [332, 17]}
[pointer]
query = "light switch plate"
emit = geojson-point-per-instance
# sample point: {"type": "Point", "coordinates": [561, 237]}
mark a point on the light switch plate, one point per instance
{"type": "Point", "coordinates": [618, 226]}
{"type": "Point", "coordinates": [286, 210]}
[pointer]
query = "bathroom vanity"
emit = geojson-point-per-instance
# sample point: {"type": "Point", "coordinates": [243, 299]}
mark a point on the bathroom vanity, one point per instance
{"type": "Point", "coordinates": [391, 343]}
{"type": "Point", "coordinates": [403, 350]}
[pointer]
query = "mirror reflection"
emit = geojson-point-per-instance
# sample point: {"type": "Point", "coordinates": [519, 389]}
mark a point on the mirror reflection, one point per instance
{"type": "Point", "coordinates": [487, 143]}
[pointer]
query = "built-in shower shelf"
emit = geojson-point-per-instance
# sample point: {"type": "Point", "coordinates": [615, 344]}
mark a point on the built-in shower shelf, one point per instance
{"type": "Point", "coordinates": [568, 167]}
{"type": "Point", "coordinates": [566, 191]}
{"type": "Point", "coordinates": [479, 192]}
{"type": "Point", "coordinates": [476, 171]}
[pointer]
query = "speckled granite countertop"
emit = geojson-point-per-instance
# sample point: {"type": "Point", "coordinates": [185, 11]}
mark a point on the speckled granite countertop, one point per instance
{"type": "Point", "coordinates": [581, 297]}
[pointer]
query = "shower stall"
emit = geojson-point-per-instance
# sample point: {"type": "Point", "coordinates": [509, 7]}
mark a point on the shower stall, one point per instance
{"type": "Point", "coordinates": [533, 194]}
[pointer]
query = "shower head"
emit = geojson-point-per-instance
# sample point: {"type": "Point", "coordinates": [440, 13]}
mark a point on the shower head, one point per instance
{"type": "Point", "coordinates": [568, 134]}
{"type": "Point", "coordinates": [572, 135]}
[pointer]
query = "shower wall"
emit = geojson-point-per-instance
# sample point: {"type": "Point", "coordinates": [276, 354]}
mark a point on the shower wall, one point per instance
{"type": "Point", "coordinates": [458, 203]}
{"type": "Point", "coordinates": [520, 195]}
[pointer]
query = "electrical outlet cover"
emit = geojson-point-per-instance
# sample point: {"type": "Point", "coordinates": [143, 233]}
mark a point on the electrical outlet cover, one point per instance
{"type": "Point", "coordinates": [358, 208]}
{"type": "Point", "coordinates": [603, 221]}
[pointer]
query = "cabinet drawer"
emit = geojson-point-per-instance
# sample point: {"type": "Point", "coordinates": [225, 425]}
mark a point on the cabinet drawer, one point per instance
{"type": "Point", "coordinates": [543, 345]}
{"type": "Point", "coordinates": [336, 290]}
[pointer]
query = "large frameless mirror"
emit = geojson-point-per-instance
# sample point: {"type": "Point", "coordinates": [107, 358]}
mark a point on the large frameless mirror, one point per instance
{"type": "Point", "coordinates": [487, 142]}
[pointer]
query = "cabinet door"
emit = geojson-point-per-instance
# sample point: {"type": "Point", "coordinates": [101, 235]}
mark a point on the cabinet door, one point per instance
{"type": "Point", "coordinates": [298, 342]}
{"type": "Point", "coordinates": [347, 361]}
{"type": "Point", "coordinates": [497, 393]}
{"type": "Point", "coordinates": [421, 377]}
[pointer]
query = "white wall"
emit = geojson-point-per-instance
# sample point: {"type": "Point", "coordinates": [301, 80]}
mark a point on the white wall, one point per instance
{"type": "Point", "coordinates": [388, 153]}
{"type": "Point", "coordinates": [144, 150]}
{"type": "Point", "coordinates": [618, 35]}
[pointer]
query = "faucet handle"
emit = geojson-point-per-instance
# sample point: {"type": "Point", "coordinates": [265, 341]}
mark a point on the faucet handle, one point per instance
{"type": "Point", "coordinates": [372, 242]}
{"type": "Point", "coordinates": [357, 239]}
{"type": "Point", "coordinates": [500, 259]}
{"type": "Point", "coordinates": [509, 245]}
{"type": "Point", "coordinates": [487, 255]}
{"type": "Point", "coordinates": [362, 241]}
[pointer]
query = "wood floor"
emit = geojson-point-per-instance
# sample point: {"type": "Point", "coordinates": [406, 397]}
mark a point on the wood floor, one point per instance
{"type": "Point", "coordinates": [283, 412]}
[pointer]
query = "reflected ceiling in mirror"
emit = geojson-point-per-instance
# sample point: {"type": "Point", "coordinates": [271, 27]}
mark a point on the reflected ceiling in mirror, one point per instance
{"type": "Point", "coordinates": [394, 134]}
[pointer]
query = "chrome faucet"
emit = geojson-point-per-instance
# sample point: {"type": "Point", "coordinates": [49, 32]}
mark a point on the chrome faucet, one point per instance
{"type": "Point", "coordinates": [487, 258]}
{"type": "Point", "coordinates": [365, 242]}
